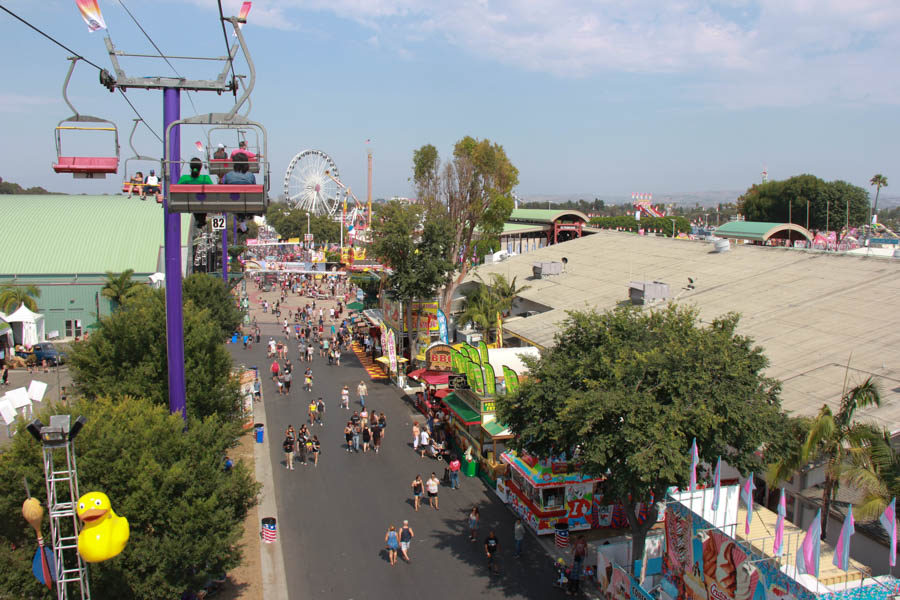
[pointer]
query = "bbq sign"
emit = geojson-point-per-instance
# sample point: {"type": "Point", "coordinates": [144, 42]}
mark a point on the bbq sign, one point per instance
{"type": "Point", "coordinates": [438, 357]}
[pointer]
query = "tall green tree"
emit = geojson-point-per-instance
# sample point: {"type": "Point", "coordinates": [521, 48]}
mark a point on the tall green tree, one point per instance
{"type": "Point", "coordinates": [416, 252]}
{"type": "Point", "coordinates": [624, 392]}
{"type": "Point", "coordinates": [13, 296]}
{"type": "Point", "coordinates": [118, 287]}
{"type": "Point", "coordinates": [487, 302]}
{"type": "Point", "coordinates": [472, 193]}
{"type": "Point", "coordinates": [830, 203]}
{"type": "Point", "coordinates": [879, 181]}
{"type": "Point", "coordinates": [876, 472]}
{"type": "Point", "coordinates": [210, 293]}
{"type": "Point", "coordinates": [126, 356]}
{"type": "Point", "coordinates": [833, 438]}
{"type": "Point", "coordinates": [291, 222]}
{"type": "Point", "coordinates": [185, 511]}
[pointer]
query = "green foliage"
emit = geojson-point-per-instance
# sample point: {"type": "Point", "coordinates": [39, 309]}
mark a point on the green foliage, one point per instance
{"type": "Point", "coordinates": [185, 512]}
{"type": "Point", "coordinates": [595, 206]}
{"type": "Point", "coordinates": [628, 223]}
{"type": "Point", "coordinates": [834, 439]}
{"type": "Point", "coordinates": [8, 187]}
{"type": "Point", "coordinates": [12, 296]}
{"type": "Point", "coordinates": [119, 287]}
{"type": "Point", "coordinates": [291, 222]}
{"type": "Point", "coordinates": [784, 201]}
{"type": "Point", "coordinates": [472, 191]}
{"type": "Point", "coordinates": [483, 304]}
{"type": "Point", "coordinates": [417, 257]}
{"type": "Point", "coordinates": [876, 472]}
{"type": "Point", "coordinates": [210, 293]}
{"type": "Point", "coordinates": [126, 356]}
{"type": "Point", "coordinates": [631, 389]}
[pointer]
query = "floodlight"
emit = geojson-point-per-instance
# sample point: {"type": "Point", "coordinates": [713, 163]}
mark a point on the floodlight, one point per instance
{"type": "Point", "coordinates": [79, 423]}
{"type": "Point", "coordinates": [34, 428]}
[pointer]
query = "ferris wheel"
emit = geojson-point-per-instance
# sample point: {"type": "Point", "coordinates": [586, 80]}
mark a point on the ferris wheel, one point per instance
{"type": "Point", "coordinates": [309, 183]}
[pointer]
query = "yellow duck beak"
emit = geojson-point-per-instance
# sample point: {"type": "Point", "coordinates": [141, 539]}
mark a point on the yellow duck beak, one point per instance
{"type": "Point", "coordinates": [93, 514]}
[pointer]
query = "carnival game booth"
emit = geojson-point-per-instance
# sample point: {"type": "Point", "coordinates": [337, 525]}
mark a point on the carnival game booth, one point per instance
{"type": "Point", "coordinates": [545, 493]}
{"type": "Point", "coordinates": [434, 378]}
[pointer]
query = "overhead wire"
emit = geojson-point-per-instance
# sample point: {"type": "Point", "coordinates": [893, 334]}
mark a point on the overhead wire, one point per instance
{"type": "Point", "coordinates": [80, 57]}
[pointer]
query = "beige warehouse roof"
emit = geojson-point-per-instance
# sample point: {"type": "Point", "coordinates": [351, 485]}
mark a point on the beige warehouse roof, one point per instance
{"type": "Point", "coordinates": [809, 310]}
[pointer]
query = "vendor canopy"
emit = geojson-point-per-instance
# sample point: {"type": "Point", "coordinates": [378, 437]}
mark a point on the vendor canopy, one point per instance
{"type": "Point", "coordinates": [28, 327]}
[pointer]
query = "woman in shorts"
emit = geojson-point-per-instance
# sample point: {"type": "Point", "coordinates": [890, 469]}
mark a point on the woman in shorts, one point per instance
{"type": "Point", "coordinates": [316, 450]}
{"type": "Point", "coordinates": [393, 544]}
{"type": "Point", "coordinates": [418, 487]}
{"type": "Point", "coordinates": [348, 435]}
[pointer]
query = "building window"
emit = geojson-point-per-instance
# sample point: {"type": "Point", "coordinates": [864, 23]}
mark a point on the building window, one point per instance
{"type": "Point", "coordinates": [73, 328]}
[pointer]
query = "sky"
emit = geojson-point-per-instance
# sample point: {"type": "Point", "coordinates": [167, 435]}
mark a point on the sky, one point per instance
{"type": "Point", "coordinates": [587, 97]}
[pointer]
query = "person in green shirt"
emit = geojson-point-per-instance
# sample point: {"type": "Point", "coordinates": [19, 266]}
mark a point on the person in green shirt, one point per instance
{"type": "Point", "coordinates": [194, 177]}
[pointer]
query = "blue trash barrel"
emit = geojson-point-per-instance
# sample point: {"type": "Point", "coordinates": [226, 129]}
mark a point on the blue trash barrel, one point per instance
{"type": "Point", "coordinates": [259, 427]}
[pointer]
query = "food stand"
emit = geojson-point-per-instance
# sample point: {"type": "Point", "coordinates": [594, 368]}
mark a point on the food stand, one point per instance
{"type": "Point", "coordinates": [546, 492]}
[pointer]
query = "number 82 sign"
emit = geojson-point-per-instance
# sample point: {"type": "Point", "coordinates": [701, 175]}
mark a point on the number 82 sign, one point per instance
{"type": "Point", "coordinates": [218, 223]}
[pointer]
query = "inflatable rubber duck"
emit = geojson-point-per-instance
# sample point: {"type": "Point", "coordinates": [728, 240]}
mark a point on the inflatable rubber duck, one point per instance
{"type": "Point", "coordinates": [104, 534]}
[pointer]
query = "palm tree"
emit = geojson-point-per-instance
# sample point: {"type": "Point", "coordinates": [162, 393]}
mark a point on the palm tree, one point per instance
{"type": "Point", "coordinates": [119, 288]}
{"type": "Point", "coordinates": [833, 439]}
{"type": "Point", "coordinates": [481, 306]}
{"type": "Point", "coordinates": [13, 296]}
{"type": "Point", "coordinates": [505, 290]}
{"type": "Point", "coordinates": [876, 473]}
{"type": "Point", "coordinates": [879, 181]}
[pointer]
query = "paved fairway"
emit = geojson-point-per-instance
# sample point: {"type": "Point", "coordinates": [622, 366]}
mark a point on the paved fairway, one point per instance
{"type": "Point", "coordinates": [332, 518]}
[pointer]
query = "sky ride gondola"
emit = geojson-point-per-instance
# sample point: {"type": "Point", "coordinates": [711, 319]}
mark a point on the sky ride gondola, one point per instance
{"type": "Point", "coordinates": [86, 167]}
{"type": "Point", "coordinates": [129, 186]}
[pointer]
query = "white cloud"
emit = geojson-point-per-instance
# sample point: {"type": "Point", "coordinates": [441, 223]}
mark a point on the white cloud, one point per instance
{"type": "Point", "coordinates": [742, 52]}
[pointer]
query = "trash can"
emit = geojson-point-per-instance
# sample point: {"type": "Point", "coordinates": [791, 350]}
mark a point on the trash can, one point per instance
{"type": "Point", "coordinates": [234, 338]}
{"type": "Point", "coordinates": [562, 534]}
{"type": "Point", "coordinates": [259, 428]}
{"type": "Point", "coordinates": [469, 469]}
{"type": "Point", "coordinates": [269, 531]}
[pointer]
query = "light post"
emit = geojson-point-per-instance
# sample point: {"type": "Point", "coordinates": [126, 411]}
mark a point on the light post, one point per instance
{"type": "Point", "coordinates": [673, 228]}
{"type": "Point", "coordinates": [307, 222]}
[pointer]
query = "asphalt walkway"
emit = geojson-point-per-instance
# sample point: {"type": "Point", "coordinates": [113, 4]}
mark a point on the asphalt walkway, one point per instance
{"type": "Point", "coordinates": [332, 518]}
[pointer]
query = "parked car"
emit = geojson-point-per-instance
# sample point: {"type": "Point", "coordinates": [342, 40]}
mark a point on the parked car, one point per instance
{"type": "Point", "coordinates": [44, 351]}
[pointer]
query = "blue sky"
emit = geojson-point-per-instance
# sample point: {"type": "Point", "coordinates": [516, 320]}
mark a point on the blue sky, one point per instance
{"type": "Point", "coordinates": [587, 97]}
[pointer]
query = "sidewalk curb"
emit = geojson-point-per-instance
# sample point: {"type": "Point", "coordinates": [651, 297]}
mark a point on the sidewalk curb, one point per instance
{"type": "Point", "coordinates": [274, 580]}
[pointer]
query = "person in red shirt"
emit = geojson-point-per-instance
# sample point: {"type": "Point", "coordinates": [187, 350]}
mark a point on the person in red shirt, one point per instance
{"type": "Point", "coordinates": [275, 370]}
{"type": "Point", "coordinates": [454, 467]}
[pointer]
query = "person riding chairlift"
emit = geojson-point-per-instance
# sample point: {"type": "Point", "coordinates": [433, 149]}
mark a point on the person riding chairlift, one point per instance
{"type": "Point", "coordinates": [242, 149]}
{"type": "Point", "coordinates": [220, 152]}
{"type": "Point", "coordinates": [195, 178]}
{"type": "Point", "coordinates": [151, 185]}
{"type": "Point", "coordinates": [137, 181]}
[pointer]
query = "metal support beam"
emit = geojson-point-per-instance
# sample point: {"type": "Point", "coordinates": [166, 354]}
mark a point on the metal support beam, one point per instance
{"type": "Point", "coordinates": [174, 307]}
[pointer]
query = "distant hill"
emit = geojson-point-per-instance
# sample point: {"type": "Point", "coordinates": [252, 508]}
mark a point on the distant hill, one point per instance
{"type": "Point", "coordinates": [708, 198]}
{"type": "Point", "coordinates": [7, 187]}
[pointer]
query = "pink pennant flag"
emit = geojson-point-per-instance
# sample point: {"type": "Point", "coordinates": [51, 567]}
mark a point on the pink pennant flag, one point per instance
{"type": "Point", "coordinates": [695, 460]}
{"type": "Point", "coordinates": [91, 14]}
{"type": "Point", "coordinates": [245, 10]}
{"type": "Point", "coordinates": [842, 550]}
{"type": "Point", "coordinates": [747, 497]}
{"type": "Point", "coordinates": [888, 520]}
{"type": "Point", "coordinates": [778, 547]}
{"type": "Point", "coordinates": [199, 146]}
{"type": "Point", "coordinates": [717, 484]}
{"type": "Point", "coordinates": [807, 559]}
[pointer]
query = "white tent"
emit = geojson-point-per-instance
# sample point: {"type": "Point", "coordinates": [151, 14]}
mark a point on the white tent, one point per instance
{"type": "Point", "coordinates": [28, 327]}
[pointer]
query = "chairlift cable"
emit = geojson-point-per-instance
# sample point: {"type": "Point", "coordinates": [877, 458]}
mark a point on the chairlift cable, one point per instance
{"type": "Point", "coordinates": [227, 47]}
{"type": "Point", "coordinates": [80, 57]}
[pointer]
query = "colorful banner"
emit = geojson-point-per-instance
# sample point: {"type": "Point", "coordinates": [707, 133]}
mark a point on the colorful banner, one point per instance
{"type": "Point", "coordinates": [499, 331]}
{"type": "Point", "coordinates": [490, 380]}
{"type": "Point", "coordinates": [717, 484]}
{"type": "Point", "coordinates": [808, 553]}
{"type": "Point", "coordinates": [392, 351]}
{"type": "Point", "coordinates": [442, 326]}
{"type": "Point", "coordinates": [778, 546]}
{"type": "Point", "coordinates": [479, 380]}
{"type": "Point", "coordinates": [888, 520]}
{"type": "Point", "coordinates": [695, 460]}
{"type": "Point", "coordinates": [470, 374]}
{"type": "Point", "coordinates": [91, 14]}
{"type": "Point", "coordinates": [456, 360]}
{"type": "Point", "coordinates": [842, 550]}
{"type": "Point", "coordinates": [483, 351]}
{"type": "Point", "coordinates": [747, 497]}
{"type": "Point", "coordinates": [511, 379]}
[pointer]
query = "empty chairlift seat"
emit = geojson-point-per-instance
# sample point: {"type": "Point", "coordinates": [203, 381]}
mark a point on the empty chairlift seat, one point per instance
{"type": "Point", "coordinates": [249, 199]}
{"type": "Point", "coordinates": [89, 166]}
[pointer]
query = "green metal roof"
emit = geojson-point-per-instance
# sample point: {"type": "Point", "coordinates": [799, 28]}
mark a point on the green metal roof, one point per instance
{"type": "Point", "coordinates": [543, 215]}
{"type": "Point", "coordinates": [496, 429]}
{"type": "Point", "coordinates": [756, 230]}
{"type": "Point", "coordinates": [55, 234]}
{"type": "Point", "coordinates": [462, 410]}
{"type": "Point", "coordinates": [522, 227]}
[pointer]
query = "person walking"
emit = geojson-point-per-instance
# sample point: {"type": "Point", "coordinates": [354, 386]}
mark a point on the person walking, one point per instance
{"type": "Point", "coordinates": [320, 412]}
{"type": "Point", "coordinates": [286, 380]}
{"type": "Point", "coordinates": [406, 536]}
{"type": "Point", "coordinates": [454, 467]}
{"type": "Point", "coordinates": [364, 416]}
{"type": "Point", "coordinates": [392, 544]}
{"type": "Point", "coordinates": [345, 397]}
{"type": "Point", "coordinates": [518, 536]}
{"type": "Point", "coordinates": [366, 437]}
{"type": "Point", "coordinates": [432, 486]}
{"type": "Point", "coordinates": [376, 436]}
{"type": "Point", "coordinates": [491, 549]}
{"type": "Point", "coordinates": [363, 392]}
{"type": "Point", "coordinates": [302, 438]}
{"type": "Point", "coordinates": [474, 518]}
{"type": "Point", "coordinates": [424, 442]}
{"type": "Point", "coordinates": [356, 435]}
{"type": "Point", "coordinates": [275, 370]}
{"type": "Point", "coordinates": [308, 380]}
{"type": "Point", "coordinates": [348, 435]}
{"type": "Point", "coordinates": [288, 447]}
{"type": "Point", "coordinates": [418, 486]}
{"type": "Point", "coordinates": [313, 409]}
{"type": "Point", "coordinates": [415, 433]}
{"type": "Point", "coordinates": [316, 450]}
